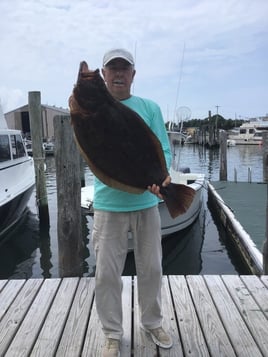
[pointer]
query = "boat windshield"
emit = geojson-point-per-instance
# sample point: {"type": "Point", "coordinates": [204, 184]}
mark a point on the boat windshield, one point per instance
{"type": "Point", "coordinates": [18, 149]}
{"type": "Point", "coordinates": [4, 148]}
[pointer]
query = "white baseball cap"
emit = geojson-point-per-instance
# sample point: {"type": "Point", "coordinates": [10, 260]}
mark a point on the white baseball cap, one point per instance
{"type": "Point", "coordinates": [118, 53]}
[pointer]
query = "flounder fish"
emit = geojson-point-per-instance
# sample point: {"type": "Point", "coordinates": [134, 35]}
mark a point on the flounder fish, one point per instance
{"type": "Point", "coordinates": [119, 147]}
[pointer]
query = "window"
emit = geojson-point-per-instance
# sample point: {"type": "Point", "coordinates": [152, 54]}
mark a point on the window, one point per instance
{"type": "Point", "coordinates": [18, 149]}
{"type": "Point", "coordinates": [4, 148]}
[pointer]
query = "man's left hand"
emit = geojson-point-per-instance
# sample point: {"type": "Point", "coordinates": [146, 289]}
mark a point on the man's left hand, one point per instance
{"type": "Point", "coordinates": [155, 189]}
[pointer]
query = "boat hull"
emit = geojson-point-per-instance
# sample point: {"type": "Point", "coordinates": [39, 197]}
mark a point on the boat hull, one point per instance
{"type": "Point", "coordinates": [169, 225]}
{"type": "Point", "coordinates": [17, 178]}
{"type": "Point", "coordinates": [246, 142]}
{"type": "Point", "coordinates": [12, 211]}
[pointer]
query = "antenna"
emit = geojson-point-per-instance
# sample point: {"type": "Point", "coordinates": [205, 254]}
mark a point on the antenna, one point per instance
{"type": "Point", "coordinates": [183, 114]}
{"type": "Point", "coordinates": [179, 82]}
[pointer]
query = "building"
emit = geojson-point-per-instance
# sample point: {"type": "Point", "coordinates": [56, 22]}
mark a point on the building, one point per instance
{"type": "Point", "coordinates": [19, 119]}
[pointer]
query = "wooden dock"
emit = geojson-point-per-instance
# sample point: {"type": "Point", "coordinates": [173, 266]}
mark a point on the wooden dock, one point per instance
{"type": "Point", "coordinates": [206, 315]}
{"type": "Point", "coordinates": [241, 208]}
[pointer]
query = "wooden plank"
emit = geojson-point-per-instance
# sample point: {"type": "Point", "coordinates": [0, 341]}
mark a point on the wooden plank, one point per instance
{"type": "Point", "coordinates": [211, 316]}
{"type": "Point", "coordinates": [8, 294]}
{"type": "Point", "coordinates": [169, 322]}
{"type": "Point", "coordinates": [143, 346]}
{"type": "Point", "coordinates": [249, 310]}
{"type": "Point", "coordinates": [242, 341]}
{"type": "Point", "coordinates": [264, 279]}
{"type": "Point", "coordinates": [14, 316]}
{"type": "Point", "coordinates": [2, 284]}
{"type": "Point", "coordinates": [75, 329]}
{"type": "Point", "coordinates": [215, 334]}
{"type": "Point", "coordinates": [48, 338]}
{"type": "Point", "coordinates": [127, 316]}
{"type": "Point", "coordinates": [95, 338]}
{"type": "Point", "coordinates": [258, 290]}
{"type": "Point", "coordinates": [193, 341]}
{"type": "Point", "coordinates": [24, 340]}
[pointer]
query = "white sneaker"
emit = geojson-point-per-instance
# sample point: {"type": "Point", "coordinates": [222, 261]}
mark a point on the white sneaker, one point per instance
{"type": "Point", "coordinates": [111, 348]}
{"type": "Point", "coordinates": [160, 337]}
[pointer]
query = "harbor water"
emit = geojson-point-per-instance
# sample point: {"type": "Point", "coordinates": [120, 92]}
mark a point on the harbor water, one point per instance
{"type": "Point", "coordinates": [201, 249]}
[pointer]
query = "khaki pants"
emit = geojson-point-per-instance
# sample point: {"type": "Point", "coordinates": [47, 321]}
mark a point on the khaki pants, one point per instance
{"type": "Point", "coordinates": [110, 241]}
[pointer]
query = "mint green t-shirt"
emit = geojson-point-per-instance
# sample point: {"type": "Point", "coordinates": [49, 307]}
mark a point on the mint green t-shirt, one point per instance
{"type": "Point", "coordinates": [109, 199]}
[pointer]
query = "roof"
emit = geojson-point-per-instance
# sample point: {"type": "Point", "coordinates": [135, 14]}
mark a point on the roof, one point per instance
{"type": "Point", "coordinates": [43, 106]}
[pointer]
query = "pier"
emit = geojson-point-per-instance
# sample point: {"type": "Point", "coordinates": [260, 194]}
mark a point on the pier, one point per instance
{"type": "Point", "coordinates": [241, 209]}
{"type": "Point", "coordinates": [206, 315]}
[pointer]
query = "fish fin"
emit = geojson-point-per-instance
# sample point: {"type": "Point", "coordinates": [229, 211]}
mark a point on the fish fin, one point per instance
{"type": "Point", "coordinates": [178, 198]}
{"type": "Point", "coordinates": [106, 179]}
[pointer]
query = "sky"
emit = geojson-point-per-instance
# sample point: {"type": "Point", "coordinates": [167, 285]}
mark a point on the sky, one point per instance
{"type": "Point", "coordinates": [192, 56]}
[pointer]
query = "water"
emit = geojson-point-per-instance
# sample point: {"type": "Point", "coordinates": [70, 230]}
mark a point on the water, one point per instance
{"type": "Point", "coordinates": [200, 249]}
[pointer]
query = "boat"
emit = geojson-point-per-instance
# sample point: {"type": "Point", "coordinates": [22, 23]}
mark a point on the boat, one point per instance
{"type": "Point", "coordinates": [182, 176]}
{"type": "Point", "coordinates": [168, 225]}
{"type": "Point", "coordinates": [48, 147]}
{"type": "Point", "coordinates": [249, 133]}
{"type": "Point", "coordinates": [17, 177]}
{"type": "Point", "coordinates": [231, 142]}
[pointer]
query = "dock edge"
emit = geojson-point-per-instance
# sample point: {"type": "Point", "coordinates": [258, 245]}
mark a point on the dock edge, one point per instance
{"type": "Point", "coordinates": [250, 254]}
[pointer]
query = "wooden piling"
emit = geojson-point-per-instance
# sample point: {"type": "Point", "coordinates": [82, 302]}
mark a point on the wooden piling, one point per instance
{"type": "Point", "coordinates": [223, 156]}
{"type": "Point", "coordinates": [265, 245]}
{"type": "Point", "coordinates": [265, 179]}
{"type": "Point", "coordinates": [82, 172]}
{"type": "Point", "coordinates": [210, 128]}
{"type": "Point", "coordinates": [35, 114]}
{"type": "Point", "coordinates": [265, 156]}
{"type": "Point", "coordinates": [67, 159]}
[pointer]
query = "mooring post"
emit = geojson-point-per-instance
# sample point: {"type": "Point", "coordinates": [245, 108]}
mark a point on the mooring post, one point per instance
{"type": "Point", "coordinates": [265, 245]}
{"type": "Point", "coordinates": [210, 130]}
{"type": "Point", "coordinates": [223, 156]}
{"type": "Point", "coordinates": [265, 179]}
{"type": "Point", "coordinates": [265, 156]}
{"type": "Point", "coordinates": [67, 160]}
{"type": "Point", "coordinates": [82, 172]}
{"type": "Point", "coordinates": [35, 114]}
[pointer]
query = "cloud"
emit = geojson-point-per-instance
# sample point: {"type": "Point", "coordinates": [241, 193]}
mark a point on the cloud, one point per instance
{"type": "Point", "coordinates": [226, 47]}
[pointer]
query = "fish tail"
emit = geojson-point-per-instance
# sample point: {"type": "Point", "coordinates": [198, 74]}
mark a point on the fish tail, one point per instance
{"type": "Point", "coordinates": [178, 198]}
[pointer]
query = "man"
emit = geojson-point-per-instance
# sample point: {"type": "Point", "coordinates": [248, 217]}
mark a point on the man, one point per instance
{"type": "Point", "coordinates": [116, 212]}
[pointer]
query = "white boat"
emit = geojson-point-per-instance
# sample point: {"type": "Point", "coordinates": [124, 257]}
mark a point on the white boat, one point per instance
{"type": "Point", "coordinates": [17, 177]}
{"type": "Point", "coordinates": [249, 133]}
{"type": "Point", "coordinates": [230, 142]}
{"type": "Point", "coordinates": [168, 224]}
{"type": "Point", "coordinates": [48, 147]}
